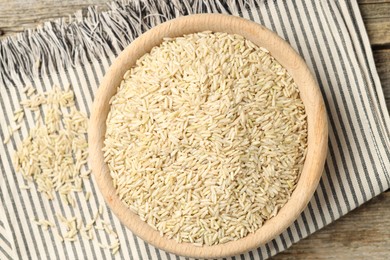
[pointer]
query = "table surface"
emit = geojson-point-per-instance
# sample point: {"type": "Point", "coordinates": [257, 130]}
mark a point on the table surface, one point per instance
{"type": "Point", "coordinates": [362, 233]}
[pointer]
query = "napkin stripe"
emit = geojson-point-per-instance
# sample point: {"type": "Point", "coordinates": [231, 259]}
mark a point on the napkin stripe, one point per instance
{"type": "Point", "coordinates": [365, 112]}
{"type": "Point", "coordinates": [5, 244]}
{"type": "Point", "coordinates": [374, 164]}
{"type": "Point", "coordinates": [317, 73]}
{"type": "Point", "coordinates": [325, 197]}
{"type": "Point", "coordinates": [4, 254]}
{"type": "Point", "coordinates": [355, 79]}
{"type": "Point", "coordinates": [358, 25]}
{"type": "Point", "coordinates": [379, 118]}
{"type": "Point", "coordinates": [7, 215]}
{"type": "Point", "coordinates": [335, 141]}
{"type": "Point", "coordinates": [332, 122]}
{"type": "Point", "coordinates": [333, 136]}
{"type": "Point", "coordinates": [7, 162]}
{"type": "Point", "coordinates": [378, 115]}
{"type": "Point", "coordinates": [343, 97]}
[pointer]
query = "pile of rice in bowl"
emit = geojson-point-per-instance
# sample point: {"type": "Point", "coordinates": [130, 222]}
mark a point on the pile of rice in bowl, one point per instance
{"type": "Point", "coordinates": [206, 138]}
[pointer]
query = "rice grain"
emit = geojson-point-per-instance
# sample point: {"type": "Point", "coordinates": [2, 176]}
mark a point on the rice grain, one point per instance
{"type": "Point", "coordinates": [54, 155]}
{"type": "Point", "coordinates": [207, 132]}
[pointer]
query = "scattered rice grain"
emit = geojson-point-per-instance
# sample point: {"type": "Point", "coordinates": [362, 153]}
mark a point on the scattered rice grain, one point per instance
{"type": "Point", "coordinates": [60, 126]}
{"type": "Point", "coordinates": [87, 196]}
{"type": "Point", "coordinates": [101, 209]}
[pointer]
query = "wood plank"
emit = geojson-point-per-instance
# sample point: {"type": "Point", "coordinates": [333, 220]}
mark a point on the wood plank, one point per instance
{"type": "Point", "coordinates": [375, 10]}
{"type": "Point", "coordinates": [18, 16]}
{"type": "Point", "coordinates": [372, 1]}
{"type": "Point", "coordinates": [376, 17]}
{"type": "Point", "coordinates": [378, 32]}
{"type": "Point", "coordinates": [361, 234]}
{"type": "Point", "coordinates": [13, 18]}
{"type": "Point", "coordinates": [382, 62]}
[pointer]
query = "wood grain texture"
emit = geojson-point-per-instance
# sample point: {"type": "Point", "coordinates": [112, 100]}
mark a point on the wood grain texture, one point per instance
{"type": "Point", "coordinates": [360, 233]}
{"type": "Point", "coordinates": [17, 15]}
{"type": "Point", "coordinates": [376, 17]}
{"type": "Point", "coordinates": [382, 61]}
{"type": "Point", "coordinates": [309, 92]}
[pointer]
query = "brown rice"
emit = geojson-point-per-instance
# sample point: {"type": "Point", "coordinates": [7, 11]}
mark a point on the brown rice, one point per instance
{"type": "Point", "coordinates": [206, 138]}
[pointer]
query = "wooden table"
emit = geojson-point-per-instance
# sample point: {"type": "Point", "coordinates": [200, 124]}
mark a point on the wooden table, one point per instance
{"type": "Point", "coordinates": [363, 233]}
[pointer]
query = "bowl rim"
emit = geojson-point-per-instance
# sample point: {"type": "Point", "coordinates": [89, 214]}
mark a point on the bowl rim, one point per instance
{"type": "Point", "coordinates": [310, 94]}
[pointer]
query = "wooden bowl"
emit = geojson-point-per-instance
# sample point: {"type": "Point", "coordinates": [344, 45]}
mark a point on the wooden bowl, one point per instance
{"type": "Point", "coordinates": [310, 94]}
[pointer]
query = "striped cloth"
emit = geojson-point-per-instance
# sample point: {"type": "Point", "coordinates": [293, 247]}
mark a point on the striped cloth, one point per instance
{"type": "Point", "coordinates": [329, 35]}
